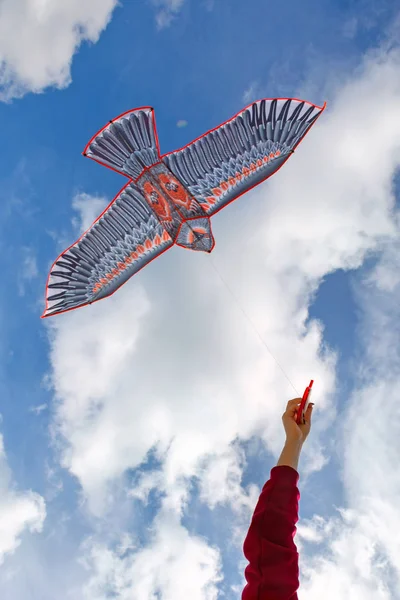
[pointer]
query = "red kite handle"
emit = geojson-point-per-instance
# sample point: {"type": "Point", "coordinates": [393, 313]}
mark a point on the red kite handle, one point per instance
{"type": "Point", "coordinates": [304, 403]}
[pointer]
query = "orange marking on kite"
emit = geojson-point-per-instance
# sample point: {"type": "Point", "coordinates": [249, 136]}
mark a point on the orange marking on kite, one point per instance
{"type": "Point", "coordinates": [216, 191]}
{"type": "Point", "coordinates": [166, 236]}
{"type": "Point", "coordinates": [277, 153]}
{"type": "Point", "coordinates": [259, 163]}
{"type": "Point", "coordinates": [157, 240]}
{"type": "Point", "coordinates": [224, 186]}
{"type": "Point", "coordinates": [140, 249]}
{"type": "Point", "coordinates": [134, 255]}
{"type": "Point", "coordinates": [272, 155]}
{"type": "Point", "coordinates": [204, 206]}
{"type": "Point", "coordinates": [238, 176]}
{"type": "Point", "coordinates": [246, 171]}
{"type": "Point", "coordinates": [210, 200]}
{"type": "Point", "coordinates": [266, 159]}
{"type": "Point", "coordinates": [253, 167]}
{"type": "Point", "coordinates": [148, 244]}
{"type": "Point", "coordinates": [121, 266]}
{"type": "Point", "coordinates": [160, 204]}
{"type": "Point", "coordinates": [190, 237]}
{"type": "Point", "coordinates": [179, 196]}
{"type": "Point", "coordinates": [232, 181]}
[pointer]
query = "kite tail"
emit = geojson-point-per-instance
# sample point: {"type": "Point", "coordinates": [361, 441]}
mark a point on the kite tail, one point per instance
{"type": "Point", "coordinates": [128, 144]}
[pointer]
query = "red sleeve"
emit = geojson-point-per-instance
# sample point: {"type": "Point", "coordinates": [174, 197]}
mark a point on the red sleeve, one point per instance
{"type": "Point", "coordinates": [273, 572]}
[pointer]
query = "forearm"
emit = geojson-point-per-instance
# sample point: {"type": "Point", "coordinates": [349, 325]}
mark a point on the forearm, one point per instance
{"type": "Point", "coordinates": [290, 454]}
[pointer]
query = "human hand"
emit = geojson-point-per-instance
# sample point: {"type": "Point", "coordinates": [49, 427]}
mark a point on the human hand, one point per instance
{"type": "Point", "coordinates": [294, 432]}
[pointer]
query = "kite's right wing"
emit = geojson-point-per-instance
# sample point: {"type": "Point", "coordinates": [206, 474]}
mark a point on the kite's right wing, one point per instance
{"type": "Point", "coordinates": [229, 160]}
{"type": "Point", "coordinates": [126, 237]}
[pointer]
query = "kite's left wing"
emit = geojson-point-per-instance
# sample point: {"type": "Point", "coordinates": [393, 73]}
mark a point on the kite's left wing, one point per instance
{"type": "Point", "coordinates": [125, 238]}
{"type": "Point", "coordinates": [224, 163]}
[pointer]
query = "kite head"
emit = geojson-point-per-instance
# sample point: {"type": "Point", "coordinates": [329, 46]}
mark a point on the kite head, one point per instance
{"type": "Point", "coordinates": [196, 234]}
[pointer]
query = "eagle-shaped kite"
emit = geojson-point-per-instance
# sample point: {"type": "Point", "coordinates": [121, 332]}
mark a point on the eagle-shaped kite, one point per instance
{"type": "Point", "coordinates": [170, 199]}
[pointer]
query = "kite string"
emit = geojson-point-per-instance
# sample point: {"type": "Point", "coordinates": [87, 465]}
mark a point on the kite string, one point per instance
{"type": "Point", "coordinates": [252, 324]}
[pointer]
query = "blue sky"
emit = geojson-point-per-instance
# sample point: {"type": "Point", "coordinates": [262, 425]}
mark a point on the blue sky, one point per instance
{"type": "Point", "coordinates": [165, 387]}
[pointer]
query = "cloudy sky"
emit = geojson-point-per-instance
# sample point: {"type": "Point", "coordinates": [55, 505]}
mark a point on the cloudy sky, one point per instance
{"type": "Point", "coordinates": [136, 433]}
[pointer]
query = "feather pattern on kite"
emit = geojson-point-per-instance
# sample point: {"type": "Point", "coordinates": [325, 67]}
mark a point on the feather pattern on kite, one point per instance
{"type": "Point", "coordinates": [169, 199]}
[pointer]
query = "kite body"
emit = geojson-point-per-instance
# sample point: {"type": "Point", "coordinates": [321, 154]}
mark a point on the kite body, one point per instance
{"type": "Point", "coordinates": [169, 199]}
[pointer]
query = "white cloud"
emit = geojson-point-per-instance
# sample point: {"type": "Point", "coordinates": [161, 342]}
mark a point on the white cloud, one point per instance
{"type": "Point", "coordinates": [88, 209]}
{"type": "Point", "coordinates": [29, 270]}
{"type": "Point", "coordinates": [166, 11]}
{"type": "Point", "coordinates": [38, 39]}
{"type": "Point", "coordinates": [361, 549]}
{"type": "Point", "coordinates": [174, 564]}
{"type": "Point", "coordinates": [350, 28]}
{"type": "Point", "coordinates": [170, 363]}
{"type": "Point", "coordinates": [252, 93]}
{"type": "Point", "coordinates": [19, 511]}
{"type": "Point", "coordinates": [38, 409]}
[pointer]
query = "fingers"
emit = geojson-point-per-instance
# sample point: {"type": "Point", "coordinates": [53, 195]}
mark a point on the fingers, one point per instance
{"type": "Point", "coordinates": [293, 402]}
{"type": "Point", "coordinates": [292, 405]}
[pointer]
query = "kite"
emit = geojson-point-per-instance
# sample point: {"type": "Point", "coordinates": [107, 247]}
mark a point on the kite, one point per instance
{"type": "Point", "coordinates": [169, 199]}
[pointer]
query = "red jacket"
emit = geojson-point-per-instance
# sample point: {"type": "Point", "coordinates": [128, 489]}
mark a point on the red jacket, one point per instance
{"type": "Point", "coordinates": [273, 572]}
